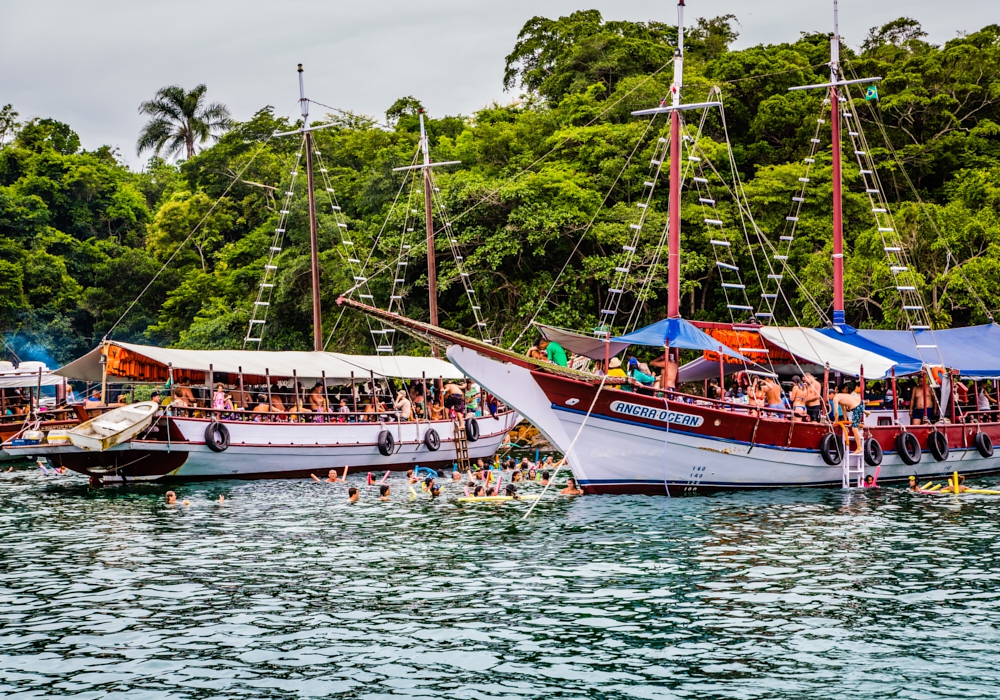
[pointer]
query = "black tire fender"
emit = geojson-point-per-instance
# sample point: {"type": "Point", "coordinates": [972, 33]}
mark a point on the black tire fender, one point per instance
{"type": "Point", "coordinates": [873, 452]}
{"type": "Point", "coordinates": [908, 448]}
{"type": "Point", "coordinates": [471, 429]}
{"type": "Point", "coordinates": [831, 449]}
{"type": "Point", "coordinates": [386, 443]}
{"type": "Point", "coordinates": [984, 444]}
{"type": "Point", "coordinates": [217, 437]}
{"type": "Point", "coordinates": [432, 440]}
{"type": "Point", "coordinates": [937, 443]}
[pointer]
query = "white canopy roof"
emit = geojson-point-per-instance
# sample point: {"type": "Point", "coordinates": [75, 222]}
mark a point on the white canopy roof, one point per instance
{"type": "Point", "coordinates": [17, 378]}
{"type": "Point", "coordinates": [337, 367]}
{"type": "Point", "coordinates": [813, 346]}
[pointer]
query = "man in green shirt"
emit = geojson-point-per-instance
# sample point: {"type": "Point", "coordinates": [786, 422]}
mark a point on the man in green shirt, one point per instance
{"type": "Point", "coordinates": [555, 353]}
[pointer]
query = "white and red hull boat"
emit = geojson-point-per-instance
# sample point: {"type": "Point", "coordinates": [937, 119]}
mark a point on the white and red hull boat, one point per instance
{"type": "Point", "coordinates": [175, 448]}
{"type": "Point", "coordinates": [628, 446]}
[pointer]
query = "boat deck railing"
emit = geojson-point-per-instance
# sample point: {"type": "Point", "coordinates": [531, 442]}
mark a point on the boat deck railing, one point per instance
{"type": "Point", "coordinates": [281, 417]}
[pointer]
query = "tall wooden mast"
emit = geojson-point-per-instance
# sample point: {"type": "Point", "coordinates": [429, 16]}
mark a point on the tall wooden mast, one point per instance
{"type": "Point", "coordinates": [674, 208]}
{"type": "Point", "coordinates": [425, 167]}
{"type": "Point", "coordinates": [837, 154]}
{"type": "Point", "coordinates": [313, 240]}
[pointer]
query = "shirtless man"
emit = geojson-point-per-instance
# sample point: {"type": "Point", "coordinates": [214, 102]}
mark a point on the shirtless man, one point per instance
{"type": "Point", "coordinates": [854, 411]}
{"type": "Point", "coordinates": [798, 398]}
{"type": "Point", "coordinates": [454, 398]}
{"type": "Point", "coordinates": [183, 391]}
{"type": "Point", "coordinates": [814, 407]}
{"type": "Point", "coordinates": [261, 406]}
{"type": "Point", "coordinates": [277, 405]}
{"type": "Point", "coordinates": [772, 394]}
{"type": "Point", "coordinates": [671, 370]}
{"type": "Point", "coordinates": [921, 404]}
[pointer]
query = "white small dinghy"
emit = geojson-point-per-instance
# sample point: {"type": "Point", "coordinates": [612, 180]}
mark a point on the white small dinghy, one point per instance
{"type": "Point", "coordinates": [114, 427]}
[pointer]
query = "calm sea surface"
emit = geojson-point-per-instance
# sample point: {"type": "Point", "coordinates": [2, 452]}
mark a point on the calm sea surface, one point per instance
{"type": "Point", "coordinates": [287, 590]}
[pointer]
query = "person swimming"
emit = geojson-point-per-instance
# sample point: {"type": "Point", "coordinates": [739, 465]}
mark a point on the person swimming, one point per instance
{"type": "Point", "coordinates": [352, 494]}
{"type": "Point", "coordinates": [914, 486]}
{"type": "Point", "coordinates": [869, 482]}
{"type": "Point", "coordinates": [571, 488]}
{"type": "Point", "coordinates": [412, 477]}
{"type": "Point", "coordinates": [435, 490]}
{"type": "Point", "coordinates": [479, 492]}
{"type": "Point", "coordinates": [171, 498]}
{"type": "Point", "coordinates": [511, 492]}
{"type": "Point", "coordinates": [383, 492]}
{"type": "Point", "coordinates": [545, 478]}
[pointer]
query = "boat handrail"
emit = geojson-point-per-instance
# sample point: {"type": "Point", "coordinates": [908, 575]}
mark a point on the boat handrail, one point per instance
{"type": "Point", "coordinates": [244, 416]}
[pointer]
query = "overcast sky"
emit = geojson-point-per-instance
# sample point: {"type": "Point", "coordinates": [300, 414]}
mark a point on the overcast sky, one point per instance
{"type": "Point", "coordinates": [91, 62]}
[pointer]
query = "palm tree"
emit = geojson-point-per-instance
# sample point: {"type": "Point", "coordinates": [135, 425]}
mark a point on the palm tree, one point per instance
{"type": "Point", "coordinates": [180, 119]}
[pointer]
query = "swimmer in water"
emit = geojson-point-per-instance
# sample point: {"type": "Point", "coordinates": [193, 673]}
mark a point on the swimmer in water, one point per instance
{"type": "Point", "coordinates": [869, 482]}
{"type": "Point", "coordinates": [456, 476]}
{"type": "Point", "coordinates": [222, 499]}
{"type": "Point", "coordinates": [171, 498]}
{"type": "Point", "coordinates": [352, 494]}
{"type": "Point", "coordinates": [913, 483]}
{"type": "Point", "coordinates": [479, 492]}
{"type": "Point", "coordinates": [383, 492]}
{"type": "Point", "coordinates": [435, 491]}
{"type": "Point", "coordinates": [545, 479]}
{"type": "Point", "coordinates": [511, 492]}
{"type": "Point", "coordinates": [491, 492]}
{"type": "Point", "coordinates": [571, 488]}
{"type": "Point", "coordinates": [413, 479]}
{"type": "Point", "coordinates": [429, 483]}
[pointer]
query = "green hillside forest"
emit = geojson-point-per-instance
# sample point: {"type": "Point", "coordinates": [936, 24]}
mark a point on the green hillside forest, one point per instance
{"type": "Point", "coordinates": [550, 178]}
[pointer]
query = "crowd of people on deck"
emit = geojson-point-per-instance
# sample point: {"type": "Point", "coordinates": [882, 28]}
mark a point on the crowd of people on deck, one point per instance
{"type": "Point", "coordinates": [802, 399]}
{"type": "Point", "coordinates": [371, 401]}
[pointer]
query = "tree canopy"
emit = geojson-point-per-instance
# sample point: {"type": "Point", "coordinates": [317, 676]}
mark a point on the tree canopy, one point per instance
{"type": "Point", "coordinates": [548, 180]}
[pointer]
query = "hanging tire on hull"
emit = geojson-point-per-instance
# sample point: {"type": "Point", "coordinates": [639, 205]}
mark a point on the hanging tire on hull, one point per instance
{"type": "Point", "coordinates": [432, 440]}
{"type": "Point", "coordinates": [984, 444]}
{"type": "Point", "coordinates": [873, 452]}
{"type": "Point", "coordinates": [217, 437]}
{"type": "Point", "coordinates": [471, 429]}
{"type": "Point", "coordinates": [937, 443]}
{"type": "Point", "coordinates": [831, 449]}
{"type": "Point", "coordinates": [386, 443]}
{"type": "Point", "coordinates": [908, 448]}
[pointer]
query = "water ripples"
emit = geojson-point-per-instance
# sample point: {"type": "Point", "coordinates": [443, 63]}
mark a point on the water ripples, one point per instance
{"type": "Point", "coordinates": [287, 590]}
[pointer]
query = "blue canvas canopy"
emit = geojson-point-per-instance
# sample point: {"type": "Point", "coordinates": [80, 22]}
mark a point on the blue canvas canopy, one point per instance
{"type": "Point", "coordinates": [974, 351]}
{"type": "Point", "coordinates": [901, 362]}
{"type": "Point", "coordinates": [678, 333]}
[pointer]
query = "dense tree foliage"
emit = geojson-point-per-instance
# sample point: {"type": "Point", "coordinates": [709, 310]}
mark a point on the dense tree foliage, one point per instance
{"type": "Point", "coordinates": [550, 179]}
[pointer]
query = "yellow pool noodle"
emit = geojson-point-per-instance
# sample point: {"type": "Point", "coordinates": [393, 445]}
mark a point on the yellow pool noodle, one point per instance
{"type": "Point", "coordinates": [935, 487]}
{"type": "Point", "coordinates": [926, 486]}
{"type": "Point", "coordinates": [956, 482]}
{"type": "Point", "coordinates": [413, 494]}
{"type": "Point", "coordinates": [986, 491]}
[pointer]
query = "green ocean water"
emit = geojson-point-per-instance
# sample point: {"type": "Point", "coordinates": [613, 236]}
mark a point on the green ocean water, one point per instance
{"type": "Point", "coordinates": [288, 591]}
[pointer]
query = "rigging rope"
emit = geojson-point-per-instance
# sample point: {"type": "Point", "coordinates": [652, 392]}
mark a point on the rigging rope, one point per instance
{"type": "Point", "coordinates": [238, 178]}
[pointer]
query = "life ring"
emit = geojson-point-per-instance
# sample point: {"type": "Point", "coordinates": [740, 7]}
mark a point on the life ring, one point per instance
{"type": "Point", "coordinates": [386, 443]}
{"type": "Point", "coordinates": [432, 440]}
{"type": "Point", "coordinates": [217, 437]}
{"type": "Point", "coordinates": [471, 429]}
{"type": "Point", "coordinates": [937, 443]}
{"type": "Point", "coordinates": [984, 444]}
{"type": "Point", "coordinates": [873, 452]}
{"type": "Point", "coordinates": [908, 448]}
{"type": "Point", "coordinates": [937, 374]}
{"type": "Point", "coordinates": [831, 449]}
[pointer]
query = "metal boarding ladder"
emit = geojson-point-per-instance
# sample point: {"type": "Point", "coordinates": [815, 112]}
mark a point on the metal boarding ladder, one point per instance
{"type": "Point", "coordinates": [852, 465]}
{"type": "Point", "coordinates": [461, 447]}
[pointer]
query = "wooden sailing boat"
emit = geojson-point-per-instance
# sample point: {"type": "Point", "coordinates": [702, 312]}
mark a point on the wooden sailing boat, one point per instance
{"type": "Point", "coordinates": [211, 441]}
{"type": "Point", "coordinates": [632, 442]}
